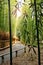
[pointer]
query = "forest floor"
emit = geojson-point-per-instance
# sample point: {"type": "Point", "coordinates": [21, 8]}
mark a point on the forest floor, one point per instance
{"type": "Point", "coordinates": [28, 58]}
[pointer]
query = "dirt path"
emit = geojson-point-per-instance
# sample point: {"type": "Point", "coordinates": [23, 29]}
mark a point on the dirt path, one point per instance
{"type": "Point", "coordinates": [27, 58]}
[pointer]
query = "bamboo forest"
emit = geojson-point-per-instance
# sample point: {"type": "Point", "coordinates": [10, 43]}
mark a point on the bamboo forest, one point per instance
{"type": "Point", "coordinates": [21, 32]}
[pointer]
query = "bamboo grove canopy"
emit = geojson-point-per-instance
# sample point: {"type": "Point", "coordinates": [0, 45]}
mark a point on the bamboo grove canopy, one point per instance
{"type": "Point", "coordinates": [22, 19]}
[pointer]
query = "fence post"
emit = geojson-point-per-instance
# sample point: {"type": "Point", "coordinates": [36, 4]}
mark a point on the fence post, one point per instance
{"type": "Point", "coordinates": [16, 53]}
{"type": "Point", "coordinates": [2, 59]}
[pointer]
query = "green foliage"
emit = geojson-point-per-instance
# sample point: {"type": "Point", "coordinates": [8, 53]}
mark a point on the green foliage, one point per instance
{"type": "Point", "coordinates": [4, 15]}
{"type": "Point", "coordinates": [25, 25]}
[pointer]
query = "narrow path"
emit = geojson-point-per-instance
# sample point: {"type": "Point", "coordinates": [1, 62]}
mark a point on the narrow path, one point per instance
{"type": "Point", "coordinates": [27, 58]}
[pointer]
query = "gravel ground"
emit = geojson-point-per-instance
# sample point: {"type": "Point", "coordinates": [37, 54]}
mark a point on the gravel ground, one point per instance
{"type": "Point", "coordinates": [28, 58]}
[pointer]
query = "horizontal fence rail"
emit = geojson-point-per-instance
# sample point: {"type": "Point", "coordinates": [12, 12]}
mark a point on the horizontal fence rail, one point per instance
{"type": "Point", "coordinates": [4, 53]}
